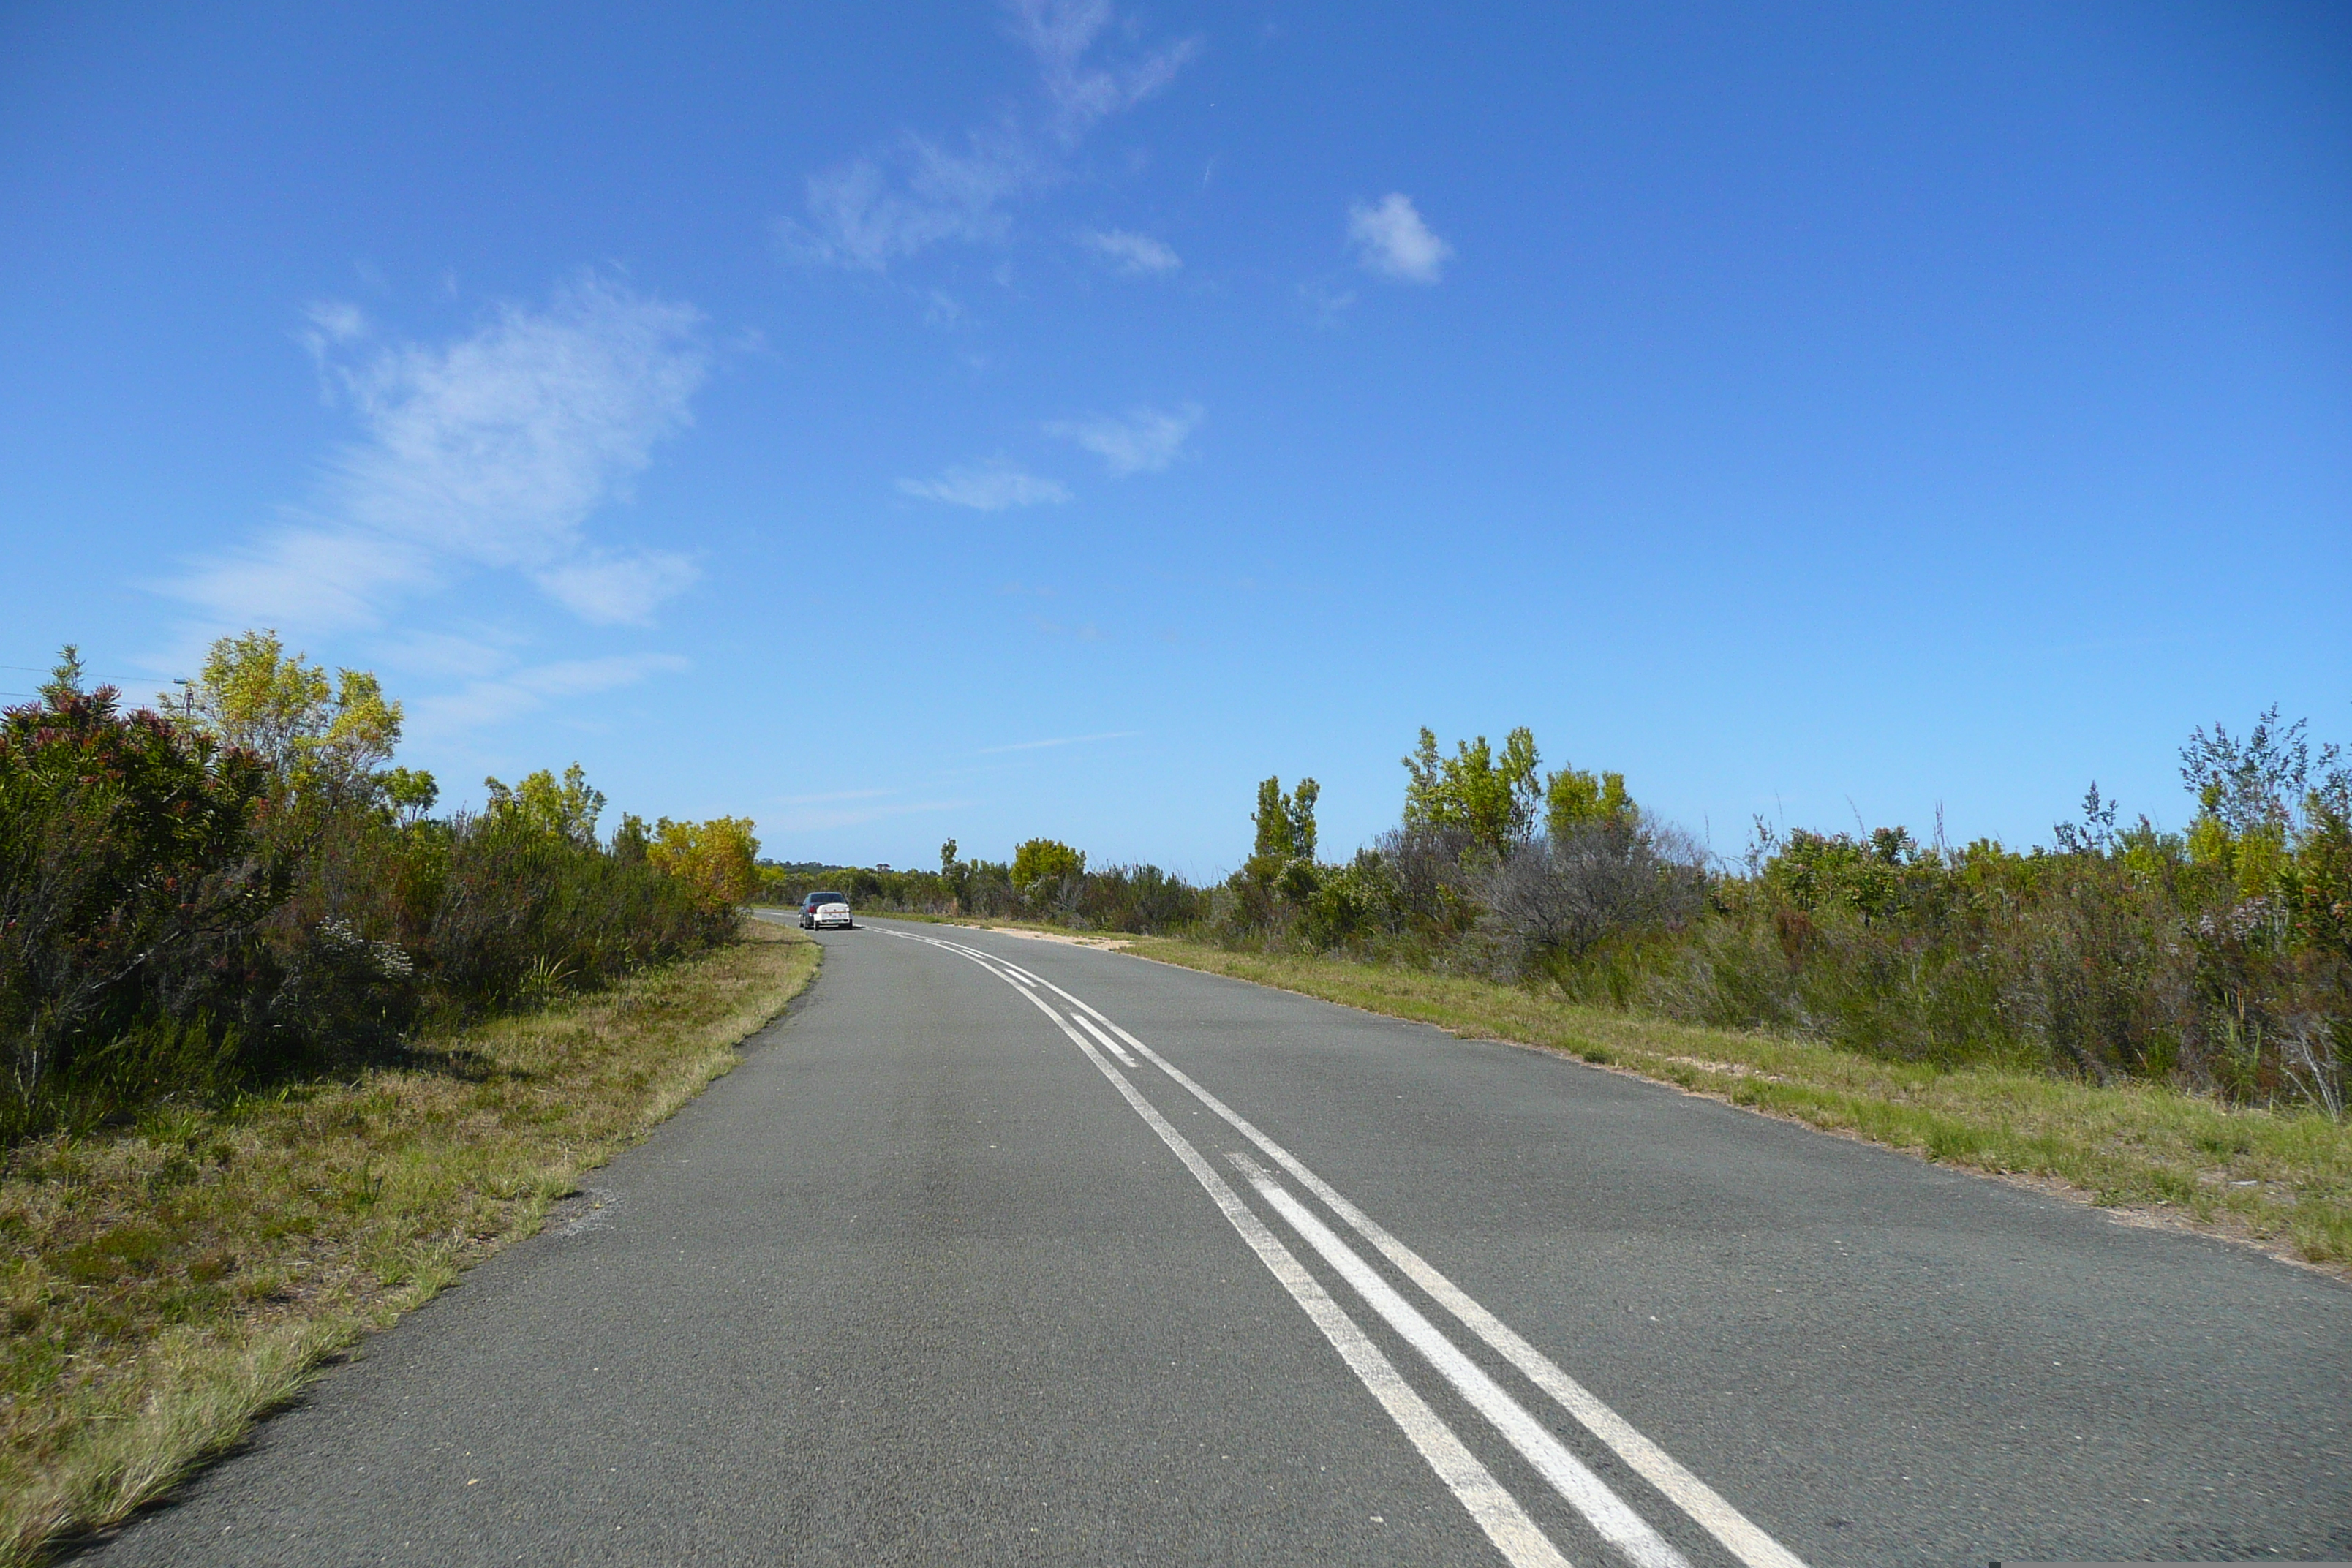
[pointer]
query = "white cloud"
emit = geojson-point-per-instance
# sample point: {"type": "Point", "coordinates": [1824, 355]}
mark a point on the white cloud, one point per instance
{"type": "Point", "coordinates": [499, 699]}
{"type": "Point", "coordinates": [860, 216]}
{"type": "Point", "coordinates": [992, 486]}
{"type": "Point", "coordinates": [499, 446]}
{"type": "Point", "coordinates": [618, 589]}
{"type": "Point", "coordinates": [1060, 34]}
{"type": "Point", "coordinates": [872, 210]}
{"type": "Point", "coordinates": [1391, 240]}
{"type": "Point", "coordinates": [491, 451]}
{"type": "Point", "coordinates": [1060, 740]}
{"type": "Point", "coordinates": [1137, 255]}
{"type": "Point", "coordinates": [332, 322]}
{"type": "Point", "coordinates": [1146, 440]}
{"type": "Point", "coordinates": [312, 576]}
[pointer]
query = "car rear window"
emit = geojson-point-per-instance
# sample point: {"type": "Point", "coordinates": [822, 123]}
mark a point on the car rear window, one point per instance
{"type": "Point", "coordinates": [826, 898]}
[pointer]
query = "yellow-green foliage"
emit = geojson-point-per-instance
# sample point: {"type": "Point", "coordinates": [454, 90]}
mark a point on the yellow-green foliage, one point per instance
{"type": "Point", "coordinates": [1574, 800]}
{"type": "Point", "coordinates": [717, 857]}
{"type": "Point", "coordinates": [315, 735]}
{"type": "Point", "coordinates": [1042, 863]}
{"type": "Point", "coordinates": [1491, 798]}
{"type": "Point", "coordinates": [566, 810]}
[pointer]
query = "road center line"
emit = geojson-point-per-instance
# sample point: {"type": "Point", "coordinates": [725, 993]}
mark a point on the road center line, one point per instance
{"type": "Point", "coordinates": [1521, 1541]}
{"type": "Point", "coordinates": [1739, 1535]}
{"type": "Point", "coordinates": [1113, 1046]}
{"type": "Point", "coordinates": [1499, 1513]}
{"type": "Point", "coordinates": [1584, 1491]}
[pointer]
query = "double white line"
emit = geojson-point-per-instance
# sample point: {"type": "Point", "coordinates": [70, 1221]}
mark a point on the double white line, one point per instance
{"type": "Point", "coordinates": [1497, 1512]}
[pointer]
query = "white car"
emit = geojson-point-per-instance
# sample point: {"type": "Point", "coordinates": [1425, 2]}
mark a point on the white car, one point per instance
{"type": "Point", "coordinates": [820, 911]}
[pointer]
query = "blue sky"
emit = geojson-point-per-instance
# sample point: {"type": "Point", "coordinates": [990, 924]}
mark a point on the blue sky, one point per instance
{"type": "Point", "coordinates": [986, 421]}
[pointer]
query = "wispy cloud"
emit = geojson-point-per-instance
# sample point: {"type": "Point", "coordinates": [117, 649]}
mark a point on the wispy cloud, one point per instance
{"type": "Point", "coordinates": [1141, 441]}
{"type": "Point", "coordinates": [1086, 631]}
{"type": "Point", "coordinates": [884, 207]}
{"type": "Point", "coordinates": [1135, 255]}
{"type": "Point", "coordinates": [992, 486]}
{"type": "Point", "coordinates": [1058, 740]}
{"type": "Point", "coordinates": [1391, 240]}
{"type": "Point", "coordinates": [330, 324]}
{"type": "Point", "coordinates": [511, 694]}
{"type": "Point", "coordinates": [1062, 33]}
{"type": "Point", "coordinates": [1329, 305]}
{"type": "Point", "coordinates": [491, 451]}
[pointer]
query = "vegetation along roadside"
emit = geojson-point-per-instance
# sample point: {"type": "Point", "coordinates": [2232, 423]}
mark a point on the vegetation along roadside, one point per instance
{"type": "Point", "coordinates": [167, 1283]}
{"type": "Point", "coordinates": [284, 1050]}
{"type": "Point", "coordinates": [2281, 1177]}
{"type": "Point", "coordinates": [2156, 1018]}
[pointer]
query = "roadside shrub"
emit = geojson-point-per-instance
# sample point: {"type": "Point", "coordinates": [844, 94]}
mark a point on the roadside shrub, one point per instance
{"type": "Point", "coordinates": [2218, 958]}
{"type": "Point", "coordinates": [525, 913]}
{"type": "Point", "coordinates": [1557, 899]}
{"type": "Point", "coordinates": [242, 891]}
{"type": "Point", "coordinates": [715, 857]}
{"type": "Point", "coordinates": [132, 884]}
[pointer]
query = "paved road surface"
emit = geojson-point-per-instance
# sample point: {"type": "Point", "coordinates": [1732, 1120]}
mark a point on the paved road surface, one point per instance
{"type": "Point", "coordinates": [1099, 1261]}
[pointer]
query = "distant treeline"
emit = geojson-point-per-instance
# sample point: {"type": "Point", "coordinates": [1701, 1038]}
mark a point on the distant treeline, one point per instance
{"type": "Point", "coordinates": [235, 887]}
{"type": "Point", "coordinates": [2218, 958]}
{"type": "Point", "coordinates": [1045, 880]}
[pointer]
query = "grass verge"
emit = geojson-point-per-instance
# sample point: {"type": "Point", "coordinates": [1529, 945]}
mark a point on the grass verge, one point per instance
{"type": "Point", "coordinates": [166, 1284]}
{"type": "Point", "coordinates": [2282, 1180]}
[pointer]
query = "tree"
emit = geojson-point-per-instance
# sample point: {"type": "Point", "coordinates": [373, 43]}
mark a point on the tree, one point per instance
{"type": "Point", "coordinates": [1573, 800]}
{"type": "Point", "coordinates": [717, 857]}
{"type": "Point", "coordinates": [1494, 799]}
{"type": "Point", "coordinates": [409, 794]}
{"type": "Point", "coordinates": [1284, 852]}
{"type": "Point", "coordinates": [568, 810]}
{"type": "Point", "coordinates": [631, 841]}
{"type": "Point", "coordinates": [1042, 863]}
{"type": "Point", "coordinates": [322, 738]}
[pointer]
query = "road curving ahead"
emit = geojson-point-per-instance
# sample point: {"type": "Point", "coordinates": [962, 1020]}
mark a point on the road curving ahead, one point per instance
{"type": "Point", "coordinates": [999, 1251]}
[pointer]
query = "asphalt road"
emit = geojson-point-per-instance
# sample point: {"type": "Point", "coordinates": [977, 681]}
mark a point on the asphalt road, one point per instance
{"type": "Point", "coordinates": [942, 1274]}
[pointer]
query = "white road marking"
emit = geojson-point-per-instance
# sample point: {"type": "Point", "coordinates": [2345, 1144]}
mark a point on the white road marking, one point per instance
{"type": "Point", "coordinates": [1499, 1513]}
{"type": "Point", "coordinates": [1113, 1046]}
{"type": "Point", "coordinates": [1744, 1539]}
{"type": "Point", "coordinates": [1584, 1491]}
{"type": "Point", "coordinates": [1740, 1536]}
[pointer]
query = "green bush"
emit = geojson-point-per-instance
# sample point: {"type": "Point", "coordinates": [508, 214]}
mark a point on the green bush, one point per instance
{"type": "Point", "coordinates": [241, 891]}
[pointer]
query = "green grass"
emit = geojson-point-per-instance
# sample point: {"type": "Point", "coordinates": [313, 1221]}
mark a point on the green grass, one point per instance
{"type": "Point", "coordinates": [2282, 1179]}
{"type": "Point", "coordinates": [164, 1285]}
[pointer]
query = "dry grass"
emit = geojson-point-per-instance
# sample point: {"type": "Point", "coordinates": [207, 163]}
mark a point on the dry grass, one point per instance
{"type": "Point", "coordinates": [165, 1285]}
{"type": "Point", "coordinates": [2279, 1179]}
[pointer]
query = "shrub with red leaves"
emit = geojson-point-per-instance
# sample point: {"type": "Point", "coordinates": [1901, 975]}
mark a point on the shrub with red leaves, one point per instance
{"type": "Point", "coordinates": [130, 886]}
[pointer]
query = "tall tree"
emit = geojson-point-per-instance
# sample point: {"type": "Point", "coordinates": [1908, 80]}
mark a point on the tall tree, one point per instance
{"type": "Point", "coordinates": [319, 737]}
{"type": "Point", "coordinates": [1492, 798]}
